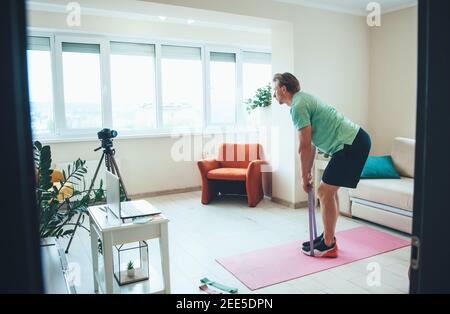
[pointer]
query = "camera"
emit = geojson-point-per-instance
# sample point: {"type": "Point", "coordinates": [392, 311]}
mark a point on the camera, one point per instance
{"type": "Point", "coordinates": [107, 134]}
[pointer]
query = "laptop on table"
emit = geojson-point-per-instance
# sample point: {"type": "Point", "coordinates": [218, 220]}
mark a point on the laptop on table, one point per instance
{"type": "Point", "coordinates": [125, 210]}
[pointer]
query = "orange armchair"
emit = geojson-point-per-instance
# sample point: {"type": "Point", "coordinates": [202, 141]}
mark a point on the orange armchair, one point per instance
{"type": "Point", "coordinates": [237, 170]}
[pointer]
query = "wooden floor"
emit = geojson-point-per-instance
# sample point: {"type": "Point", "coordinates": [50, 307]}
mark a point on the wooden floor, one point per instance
{"type": "Point", "coordinates": [199, 234]}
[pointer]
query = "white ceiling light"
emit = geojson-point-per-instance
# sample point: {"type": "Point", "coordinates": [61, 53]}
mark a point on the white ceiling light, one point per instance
{"type": "Point", "coordinates": [190, 22]}
{"type": "Point", "coordinates": [162, 18]}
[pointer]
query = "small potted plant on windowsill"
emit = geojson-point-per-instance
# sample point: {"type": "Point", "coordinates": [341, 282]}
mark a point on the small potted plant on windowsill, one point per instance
{"type": "Point", "coordinates": [257, 107]}
{"type": "Point", "coordinates": [130, 269]}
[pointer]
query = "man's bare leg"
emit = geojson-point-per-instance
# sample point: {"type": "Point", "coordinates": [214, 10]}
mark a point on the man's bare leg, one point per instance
{"type": "Point", "coordinates": [329, 207]}
{"type": "Point", "coordinates": [337, 203]}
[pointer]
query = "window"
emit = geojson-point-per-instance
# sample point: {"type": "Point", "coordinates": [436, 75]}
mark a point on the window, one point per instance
{"type": "Point", "coordinates": [257, 72]}
{"type": "Point", "coordinates": [82, 85]}
{"type": "Point", "coordinates": [92, 82]}
{"type": "Point", "coordinates": [182, 86]}
{"type": "Point", "coordinates": [133, 95]}
{"type": "Point", "coordinates": [223, 88]}
{"type": "Point", "coordinates": [40, 84]}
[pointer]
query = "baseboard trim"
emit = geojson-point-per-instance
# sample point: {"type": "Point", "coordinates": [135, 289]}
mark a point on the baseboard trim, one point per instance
{"type": "Point", "coordinates": [299, 205]}
{"type": "Point", "coordinates": [292, 205]}
{"type": "Point", "coordinates": [166, 192]}
{"type": "Point", "coordinates": [277, 200]}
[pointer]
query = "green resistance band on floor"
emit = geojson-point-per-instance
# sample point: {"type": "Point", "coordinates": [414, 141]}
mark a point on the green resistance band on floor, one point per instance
{"type": "Point", "coordinates": [218, 285]}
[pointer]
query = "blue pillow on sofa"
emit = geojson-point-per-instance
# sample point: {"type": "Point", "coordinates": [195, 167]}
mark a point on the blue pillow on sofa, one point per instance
{"type": "Point", "coordinates": [379, 167]}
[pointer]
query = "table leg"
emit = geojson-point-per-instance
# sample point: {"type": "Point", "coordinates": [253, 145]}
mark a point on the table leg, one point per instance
{"type": "Point", "coordinates": [94, 253]}
{"type": "Point", "coordinates": [165, 263]}
{"type": "Point", "coordinates": [108, 263]}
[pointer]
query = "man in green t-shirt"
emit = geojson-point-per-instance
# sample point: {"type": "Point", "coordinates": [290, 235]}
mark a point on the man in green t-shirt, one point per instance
{"type": "Point", "coordinates": [320, 125]}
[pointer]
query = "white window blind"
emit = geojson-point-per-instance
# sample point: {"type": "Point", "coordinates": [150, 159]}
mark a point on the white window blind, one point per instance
{"type": "Point", "coordinates": [223, 57]}
{"type": "Point", "coordinates": [257, 57]}
{"type": "Point", "coordinates": [181, 53]}
{"type": "Point", "coordinates": [80, 48]}
{"type": "Point", "coordinates": [38, 43]}
{"type": "Point", "coordinates": [132, 49]}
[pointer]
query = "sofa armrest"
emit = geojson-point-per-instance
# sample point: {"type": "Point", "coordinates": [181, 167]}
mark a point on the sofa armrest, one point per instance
{"type": "Point", "coordinates": [209, 190]}
{"type": "Point", "coordinates": [206, 166]}
{"type": "Point", "coordinates": [254, 169]}
{"type": "Point", "coordinates": [253, 182]}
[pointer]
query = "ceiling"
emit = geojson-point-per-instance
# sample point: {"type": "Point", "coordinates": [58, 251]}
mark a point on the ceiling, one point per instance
{"type": "Point", "coordinates": [156, 12]}
{"type": "Point", "coordinates": [358, 7]}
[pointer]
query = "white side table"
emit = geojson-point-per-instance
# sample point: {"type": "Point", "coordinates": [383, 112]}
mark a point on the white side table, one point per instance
{"type": "Point", "coordinates": [113, 231]}
{"type": "Point", "coordinates": [344, 199]}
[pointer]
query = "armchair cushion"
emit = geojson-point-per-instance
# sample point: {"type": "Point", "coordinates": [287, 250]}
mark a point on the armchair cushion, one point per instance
{"type": "Point", "coordinates": [230, 174]}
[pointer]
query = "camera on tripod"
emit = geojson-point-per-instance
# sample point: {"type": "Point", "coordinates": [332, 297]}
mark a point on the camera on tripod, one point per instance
{"type": "Point", "coordinates": [106, 136]}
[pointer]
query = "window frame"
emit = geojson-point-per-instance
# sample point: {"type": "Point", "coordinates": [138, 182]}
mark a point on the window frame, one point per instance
{"type": "Point", "coordinates": [160, 123]}
{"type": "Point", "coordinates": [62, 133]}
{"type": "Point", "coordinates": [220, 49]}
{"type": "Point", "coordinates": [51, 37]}
{"type": "Point", "coordinates": [157, 95]}
{"type": "Point", "coordinates": [106, 116]}
{"type": "Point", "coordinates": [242, 73]}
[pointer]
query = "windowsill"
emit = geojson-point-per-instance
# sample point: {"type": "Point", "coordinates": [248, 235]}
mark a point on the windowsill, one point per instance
{"type": "Point", "coordinates": [172, 135]}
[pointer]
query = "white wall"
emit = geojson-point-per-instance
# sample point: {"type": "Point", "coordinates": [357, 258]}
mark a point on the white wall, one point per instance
{"type": "Point", "coordinates": [145, 164]}
{"type": "Point", "coordinates": [393, 79]}
{"type": "Point", "coordinates": [283, 142]}
{"type": "Point", "coordinates": [332, 62]}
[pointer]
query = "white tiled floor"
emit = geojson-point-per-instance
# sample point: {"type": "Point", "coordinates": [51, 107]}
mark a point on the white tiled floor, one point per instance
{"type": "Point", "coordinates": [199, 234]}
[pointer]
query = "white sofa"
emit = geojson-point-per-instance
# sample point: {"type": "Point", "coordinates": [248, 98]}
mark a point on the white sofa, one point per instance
{"type": "Point", "coordinates": [387, 202]}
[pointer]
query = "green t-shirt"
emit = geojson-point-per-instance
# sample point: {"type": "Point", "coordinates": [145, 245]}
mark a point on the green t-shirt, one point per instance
{"type": "Point", "coordinates": [330, 129]}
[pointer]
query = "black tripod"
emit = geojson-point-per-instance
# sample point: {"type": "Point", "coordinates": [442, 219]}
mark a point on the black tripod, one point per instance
{"type": "Point", "coordinates": [111, 165]}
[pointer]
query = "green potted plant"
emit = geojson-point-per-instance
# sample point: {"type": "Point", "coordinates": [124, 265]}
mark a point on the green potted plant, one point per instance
{"type": "Point", "coordinates": [262, 98]}
{"type": "Point", "coordinates": [257, 106]}
{"type": "Point", "coordinates": [60, 201]}
{"type": "Point", "coordinates": [130, 269]}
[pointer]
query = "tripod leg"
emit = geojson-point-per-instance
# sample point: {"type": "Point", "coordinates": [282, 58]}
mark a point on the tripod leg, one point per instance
{"type": "Point", "coordinates": [89, 192]}
{"type": "Point", "coordinates": [74, 230]}
{"type": "Point", "coordinates": [96, 173]}
{"type": "Point", "coordinates": [116, 168]}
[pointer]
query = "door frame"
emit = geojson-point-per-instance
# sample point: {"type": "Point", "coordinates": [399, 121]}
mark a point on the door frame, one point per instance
{"type": "Point", "coordinates": [430, 271]}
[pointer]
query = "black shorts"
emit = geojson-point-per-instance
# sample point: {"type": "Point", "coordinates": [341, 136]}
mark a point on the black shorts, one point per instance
{"type": "Point", "coordinates": [346, 166]}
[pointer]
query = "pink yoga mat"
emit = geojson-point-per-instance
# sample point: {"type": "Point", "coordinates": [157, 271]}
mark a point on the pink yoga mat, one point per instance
{"type": "Point", "coordinates": [266, 267]}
